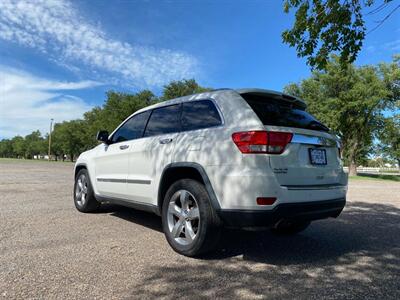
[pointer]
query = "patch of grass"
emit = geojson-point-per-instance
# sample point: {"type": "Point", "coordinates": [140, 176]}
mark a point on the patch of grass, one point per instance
{"type": "Point", "coordinates": [18, 160]}
{"type": "Point", "coordinates": [375, 177]}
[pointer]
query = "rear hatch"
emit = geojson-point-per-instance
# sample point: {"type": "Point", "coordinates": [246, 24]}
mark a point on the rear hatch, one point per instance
{"type": "Point", "coordinates": [312, 158]}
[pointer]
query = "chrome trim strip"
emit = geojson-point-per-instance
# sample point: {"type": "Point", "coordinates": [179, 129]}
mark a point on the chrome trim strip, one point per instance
{"type": "Point", "coordinates": [111, 180]}
{"type": "Point", "coordinates": [138, 181]}
{"type": "Point", "coordinates": [314, 140]}
{"type": "Point", "coordinates": [315, 187]}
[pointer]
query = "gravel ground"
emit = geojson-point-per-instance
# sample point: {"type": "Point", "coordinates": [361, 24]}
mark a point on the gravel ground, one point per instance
{"type": "Point", "coordinates": [48, 250]}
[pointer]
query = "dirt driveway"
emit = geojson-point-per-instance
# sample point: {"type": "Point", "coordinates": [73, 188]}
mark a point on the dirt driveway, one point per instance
{"type": "Point", "coordinates": [48, 250]}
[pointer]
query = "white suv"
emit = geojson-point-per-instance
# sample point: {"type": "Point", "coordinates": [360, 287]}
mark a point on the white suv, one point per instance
{"type": "Point", "coordinates": [237, 158]}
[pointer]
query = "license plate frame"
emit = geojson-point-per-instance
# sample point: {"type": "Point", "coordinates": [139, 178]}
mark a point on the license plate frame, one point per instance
{"type": "Point", "coordinates": [317, 156]}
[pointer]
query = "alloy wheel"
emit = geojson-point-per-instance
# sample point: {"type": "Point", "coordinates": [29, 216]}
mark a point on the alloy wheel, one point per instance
{"type": "Point", "coordinates": [183, 217]}
{"type": "Point", "coordinates": [81, 190]}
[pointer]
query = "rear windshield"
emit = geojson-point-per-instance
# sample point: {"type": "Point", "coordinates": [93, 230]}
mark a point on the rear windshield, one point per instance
{"type": "Point", "coordinates": [282, 113]}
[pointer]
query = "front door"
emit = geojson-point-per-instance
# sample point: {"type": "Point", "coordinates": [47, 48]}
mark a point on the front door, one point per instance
{"type": "Point", "coordinates": [112, 169]}
{"type": "Point", "coordinates": [112, 160]}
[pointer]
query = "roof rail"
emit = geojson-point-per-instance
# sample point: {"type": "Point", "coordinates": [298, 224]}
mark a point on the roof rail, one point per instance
{"type": "Point", "coordinates": [221, 89]}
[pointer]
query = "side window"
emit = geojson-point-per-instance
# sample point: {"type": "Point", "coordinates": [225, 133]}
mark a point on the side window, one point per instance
{"type": "Point", "coordinates": [164, 120]}
{"type": "Point", "coordinates": [132, 129]}
{"type": "Point", "coordinates": [199, 114]}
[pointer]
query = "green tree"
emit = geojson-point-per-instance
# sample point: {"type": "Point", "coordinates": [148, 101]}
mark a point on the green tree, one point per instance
{"type": "Point", "coordinates": [324, 27]}
{"type": "Point", "coordinates": [117, 107]}
{"type": "Point", "coordinates": [181, 88]}
{"type": "Point", "coordinates": [34, 144]}
{"type": "Point", "coordinates": [389, 138]}
{"type": "Point", "coordinates": [6, 149]}
{"type": "Point", "coordinates": [18, 146]}
{"type": "Point", "coordinates": [350, 101]}
{"type": "Point", "coordinates": [67, 138]}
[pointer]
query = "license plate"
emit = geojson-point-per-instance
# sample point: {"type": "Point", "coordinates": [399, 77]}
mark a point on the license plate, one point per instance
{"type": "Point", "coordinates": [317, 156]}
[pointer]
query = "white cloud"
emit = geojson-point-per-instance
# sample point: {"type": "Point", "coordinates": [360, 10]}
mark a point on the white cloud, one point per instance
{"type": "Point", "coordinates": [28, 103]}
{"type": "Point", "coordinates": [56, 28]}
{"type": "Point", "coordinates": [393, 45]}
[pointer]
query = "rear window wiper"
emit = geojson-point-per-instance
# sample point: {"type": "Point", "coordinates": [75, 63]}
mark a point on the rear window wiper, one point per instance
{"type": "Point", "coordinates": [317, 126]}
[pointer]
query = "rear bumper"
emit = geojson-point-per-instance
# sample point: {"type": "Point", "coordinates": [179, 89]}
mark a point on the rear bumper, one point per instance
{"type": "Point", "coordinates": [307, 211]}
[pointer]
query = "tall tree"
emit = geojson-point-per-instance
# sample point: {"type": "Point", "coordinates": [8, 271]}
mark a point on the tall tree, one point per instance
{"type": "Point", "coordinates": [181, 88]}
{"type": "Point", "coordinates": [6, 149]}
{"type": "Point", "coordinates": [351, 102]}
{"type": "Point", "coordinates": [18, 146]}
{"type": "Point", "coordinates": [67, 137]}
{"type": "Point", "coordinates": [116, 108]}
{"type": "Point", "coordinates": [34, 144]}
{"type": "Point", "coordinates": [389, 138]}
{"type": "Point", "coordinates": [324, 27]}
{"type": "Point", "coordinates": [119, 106]}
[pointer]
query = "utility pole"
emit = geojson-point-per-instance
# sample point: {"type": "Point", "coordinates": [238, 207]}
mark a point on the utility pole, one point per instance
{"type": "Point", "coordinates": [51, 127]}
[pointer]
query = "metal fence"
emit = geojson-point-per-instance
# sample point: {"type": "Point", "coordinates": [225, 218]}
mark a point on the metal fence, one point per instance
{"type": "Point", "coordinates": [369, 170]}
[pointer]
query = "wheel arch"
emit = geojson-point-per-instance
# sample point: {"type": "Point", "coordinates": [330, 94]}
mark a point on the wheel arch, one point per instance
{"type": "Point", "coordinates": [79, 167]}
{"type": "Point", "coordinates": [83, 165]}
{"type": "Point", "coordinates": [176, 171]}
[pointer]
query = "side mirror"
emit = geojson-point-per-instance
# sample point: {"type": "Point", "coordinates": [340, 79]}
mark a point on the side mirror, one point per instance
{"type": "Point", "coordinates": [102, 136]}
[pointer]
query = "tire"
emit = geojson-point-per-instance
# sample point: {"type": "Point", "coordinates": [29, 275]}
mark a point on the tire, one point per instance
{"type": "Point", "coordinates": [191, 227]}
{"type": "Point", "coordinates": [290, 228]}
{"type": "Point", "coordinates": [84, 199]}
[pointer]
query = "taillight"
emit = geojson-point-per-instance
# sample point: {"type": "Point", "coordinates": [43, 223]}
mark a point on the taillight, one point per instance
{"type": "Point", "coordinates": [277, 141]}
{"type": "Point", "coordinates": [269, 142]}
{"type": "Point", "coordinates": [251, 141]}
{"type": "Point", "coordinates": [339, 148]}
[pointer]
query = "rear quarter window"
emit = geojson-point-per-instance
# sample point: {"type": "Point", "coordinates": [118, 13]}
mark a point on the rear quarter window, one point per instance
{"type": "Point", "coordinates": [199, 114]}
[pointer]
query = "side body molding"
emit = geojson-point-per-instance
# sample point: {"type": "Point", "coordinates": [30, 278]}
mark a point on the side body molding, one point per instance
{"type": "Point", "coordinates": [153, 208]}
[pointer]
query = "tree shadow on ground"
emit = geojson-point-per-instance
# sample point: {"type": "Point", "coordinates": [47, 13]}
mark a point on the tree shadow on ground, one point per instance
{"type": "Point", "coordinates": [354, 256]}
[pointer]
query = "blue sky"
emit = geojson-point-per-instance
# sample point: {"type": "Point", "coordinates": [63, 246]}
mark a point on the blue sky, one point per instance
{"type": "Point", "coordinates": [58, 58]}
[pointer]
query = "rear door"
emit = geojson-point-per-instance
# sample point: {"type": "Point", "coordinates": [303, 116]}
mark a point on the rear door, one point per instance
{"type": "Point", "coordinates": [312, 156]}
{"type": "Point", "coordinates": [148, 160]}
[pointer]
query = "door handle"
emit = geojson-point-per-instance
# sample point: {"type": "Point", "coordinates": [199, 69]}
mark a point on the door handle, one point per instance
{"type": "Point", "coordinates": [165, 141]}
{"type": "Point", "coordinates": [123, 147]}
